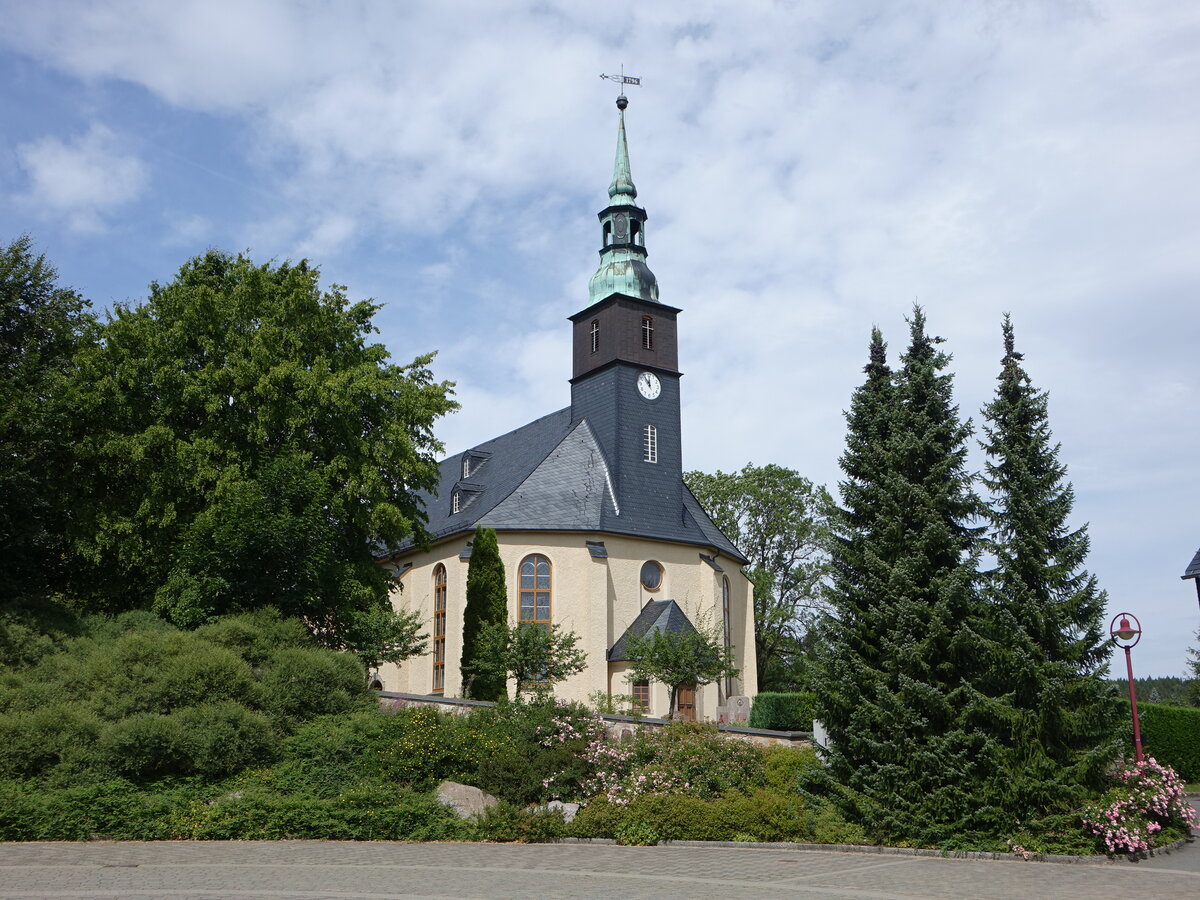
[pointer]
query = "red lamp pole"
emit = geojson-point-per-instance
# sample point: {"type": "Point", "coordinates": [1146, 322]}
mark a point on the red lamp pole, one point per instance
{"type": "Point", "coordinates": [1126, 635]}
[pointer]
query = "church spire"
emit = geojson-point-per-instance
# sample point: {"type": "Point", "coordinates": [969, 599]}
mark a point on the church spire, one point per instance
{"type": "Point", "coordinates": [623, 268]}
{"type": "Point", "coordinates": [622, 183]}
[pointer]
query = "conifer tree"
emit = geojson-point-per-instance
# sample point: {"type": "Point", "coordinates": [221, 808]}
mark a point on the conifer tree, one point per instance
{"type": "Point", "coordinates": [487, 604]}
{"type": "Point", "coordinates": [896, 693]}
{"type": "Point", "coordinates": [1046, 607]}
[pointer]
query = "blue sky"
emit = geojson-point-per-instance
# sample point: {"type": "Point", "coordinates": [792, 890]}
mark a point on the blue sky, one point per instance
{"type": "Point", "coordinates": [810, 169]}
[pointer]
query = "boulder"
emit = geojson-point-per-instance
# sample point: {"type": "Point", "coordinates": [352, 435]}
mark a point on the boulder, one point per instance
{"type": "Point", "coordinates": [568, 810]}
{"type": "Point", "coordinates": [466, 801]}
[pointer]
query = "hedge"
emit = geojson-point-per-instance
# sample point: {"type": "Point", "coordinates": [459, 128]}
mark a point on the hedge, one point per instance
{"type": "Point", "coordinates": [1171, 734]}
{"type": "Point", "coordinates": [783, 712]}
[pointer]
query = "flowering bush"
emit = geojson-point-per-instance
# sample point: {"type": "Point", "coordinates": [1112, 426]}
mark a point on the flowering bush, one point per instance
{"type": "Point", "coordinates": [1132, 815]}
{"type": "Point", "coordinates": [685, 759]}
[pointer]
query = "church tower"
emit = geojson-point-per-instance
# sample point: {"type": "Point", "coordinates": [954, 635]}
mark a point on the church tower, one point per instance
{"type": "Point", "coordinates": [596, 529]}
{"type": "Point", "coordinates": [625, 373]}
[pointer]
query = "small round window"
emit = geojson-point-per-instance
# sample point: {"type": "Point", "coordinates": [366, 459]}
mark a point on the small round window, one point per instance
{"type": "Point", "coordinates": [652, 576]}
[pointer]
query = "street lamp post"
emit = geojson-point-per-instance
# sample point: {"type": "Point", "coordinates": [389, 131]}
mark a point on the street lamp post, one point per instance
{"type": "Point", "coordinates": [1126, 634]}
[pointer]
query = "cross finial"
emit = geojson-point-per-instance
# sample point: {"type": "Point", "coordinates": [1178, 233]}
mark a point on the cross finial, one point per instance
{"type": "Point", "coordinates": [622, 80]}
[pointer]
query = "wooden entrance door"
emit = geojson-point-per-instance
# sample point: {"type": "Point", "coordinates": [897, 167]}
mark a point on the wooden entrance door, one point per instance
{"type": "Point", "coordinates": [685, 703]}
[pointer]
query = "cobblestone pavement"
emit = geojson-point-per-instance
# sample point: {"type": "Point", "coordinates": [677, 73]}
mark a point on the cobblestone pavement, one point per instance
{"type": "Point", "coordinates": [314, 870]}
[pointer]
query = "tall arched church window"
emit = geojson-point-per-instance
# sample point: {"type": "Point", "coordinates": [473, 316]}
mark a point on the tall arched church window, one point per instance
{"type": "Point", "coordinates": [535, 590]}
{"type": "Point", "coordinates": [728, 626]}
{"type": "Point", "coordinates": [648, 332]}
{"type": "Point", "coordinates": [595, 335]}
{"type": "Point", "coordinates": [439, 629]}
{"type": "Point", "coordinates": [650, 444]}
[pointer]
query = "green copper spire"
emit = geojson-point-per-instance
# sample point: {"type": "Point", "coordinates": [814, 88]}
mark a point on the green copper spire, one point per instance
{"type": "Point", "coordinates": [622, 182]}
{"type": "Point", "coordinates": [623, 268]}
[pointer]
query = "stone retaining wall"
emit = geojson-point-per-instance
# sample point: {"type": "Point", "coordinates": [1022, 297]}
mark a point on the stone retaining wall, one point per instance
{"type": "Point", "coordinates": [621, 728]}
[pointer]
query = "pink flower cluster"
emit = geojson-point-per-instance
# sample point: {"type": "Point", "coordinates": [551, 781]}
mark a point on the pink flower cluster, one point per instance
{"type": "Point", "coordinates": [1149, 796]}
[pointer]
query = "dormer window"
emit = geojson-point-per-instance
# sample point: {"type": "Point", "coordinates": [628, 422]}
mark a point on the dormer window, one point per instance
{"type": "Point", "coordinates": [595, 340]}
{"type": "Point", "coordinates": [648, 332]}
{"type": "Point", "coordinates": [455, 502]}
{"type": "Point", "coordinates": [472, 460]}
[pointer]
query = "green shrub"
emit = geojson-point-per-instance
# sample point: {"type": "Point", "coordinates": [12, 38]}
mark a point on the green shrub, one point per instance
{"type": "Point", "coordinates": [696, 754]}
{"type": "Point", "coordinates": [370, 811]}
{"type": "Point", "coordinates": [114, 809]}
{"type": "Point", "coordinates": [256, 635]}
{"type": "Point", "coordinates": [32, 629]}
{"type": "Point", "coordinates": [422, 747]}
{"type": "Point", "coordinates": [202, 673]}
{"type": "Point", "coordinates": [761, 816]}
{"type": "Point", "coordinates": [783, 765]}
{"type": "Point", "coordinates": [145, 745]}
{"type": "Point", "coordinates": [783, 712]}
{"type": "Point", "coordinates": [220, 739]}
{"type": "Point", "coordinates": [537, 751]}
{"type": "Point", "coordinates": [1170, 734]}
{"type": "Point", "coordinates": [301, 683]}
{"type": "Point", "coordinates": [33, 741]}
{"type": "Point", "coordinates": [507, 823]}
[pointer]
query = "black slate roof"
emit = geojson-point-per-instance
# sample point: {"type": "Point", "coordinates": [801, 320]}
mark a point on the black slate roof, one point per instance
{"type": "Point", "coordinates": [657, 615]}
{"type": "Point", "coordinates": [1193, 570]}
{"type": "Point", "coordinates": [551, 475]}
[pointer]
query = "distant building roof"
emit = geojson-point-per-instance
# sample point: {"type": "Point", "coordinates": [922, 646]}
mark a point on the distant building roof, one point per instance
{"type": "Point", "coordinates": [657, 615]}
{"type": "Point", "coordinates": [1193, 570]}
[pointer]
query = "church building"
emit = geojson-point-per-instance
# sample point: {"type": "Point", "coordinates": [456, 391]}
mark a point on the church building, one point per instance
{"type": "Point", "coordinates": [597, 530]}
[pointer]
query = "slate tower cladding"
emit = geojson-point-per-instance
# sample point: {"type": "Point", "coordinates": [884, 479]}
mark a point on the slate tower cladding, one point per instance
{"type": "Point", "coordinates": [625, 364]}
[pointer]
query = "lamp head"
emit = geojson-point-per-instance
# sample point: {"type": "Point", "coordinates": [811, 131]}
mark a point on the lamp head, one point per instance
{"type": "Point", "coordinates": [1125, 629]}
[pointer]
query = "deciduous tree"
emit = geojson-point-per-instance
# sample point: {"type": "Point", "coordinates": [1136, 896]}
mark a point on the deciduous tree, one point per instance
{"type": "Point", "coordinates": [42, 325]}
{"type": "Point", "coordinates": [241, 443]}
{"type": "Point", "coordinates": [780, 521]}
{"type": "Point", "coordinates": [534, 655]}
{"type": "Point", "coordinates": [697, 657]}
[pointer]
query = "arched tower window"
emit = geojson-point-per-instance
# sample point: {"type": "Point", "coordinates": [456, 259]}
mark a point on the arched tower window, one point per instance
{"type": "Point", "coordinates": [535, 590]}
{"type": "Point", "coordinates": [650, 444]}
{"type": "Point", "coordinates": [607, 233]}
{"type": "Point", "coordinates": [728, 626]}
{"type": "Point", "coordinates": [648, 332]}
{"type": "Point", "coordinates": [595, 335]}
{"type": "Point", "coordinates": [439, 628]}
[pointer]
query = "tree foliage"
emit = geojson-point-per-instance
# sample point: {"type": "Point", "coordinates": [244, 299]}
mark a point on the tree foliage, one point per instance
{"type": "Point", "coordinates": [697, 657]}
{"type": "Point", "coordinates": [1047, 609]}
{"type": "Point", "coordinates": [42, 325]}
{"type": "Point", "coordinates": [240, 443]}
{"type": "Point", "coordinates": [958, 701]}
{"type": "Point", "coordinates": [487, 605]}
{"type": "Point", "coordinates": [898, 691]}
{"type": "Point", "coordinates": [534, 655]}
{"type": "Point", "coordinates": [780, 521]}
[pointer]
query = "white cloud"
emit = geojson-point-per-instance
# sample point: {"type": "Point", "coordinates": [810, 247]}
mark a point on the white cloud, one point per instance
{"type": "Point", "coordinates": [82, 178]}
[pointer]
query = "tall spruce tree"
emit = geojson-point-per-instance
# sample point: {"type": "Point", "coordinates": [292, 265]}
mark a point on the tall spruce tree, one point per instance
{"type": "Point", "coordinates": [897, 689]}
{"type": "Point", "coordinates": [1046, 607]}
{"type": "Point", "coordinates": [487, 604]}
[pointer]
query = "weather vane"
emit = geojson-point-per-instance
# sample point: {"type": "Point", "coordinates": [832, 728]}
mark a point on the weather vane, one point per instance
{"type": "Point", "coordinates": [622, 80]}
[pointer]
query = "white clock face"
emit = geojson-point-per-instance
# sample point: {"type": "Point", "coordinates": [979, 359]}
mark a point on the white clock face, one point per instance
{"type": "Point", "coordinates": [648, 385]}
